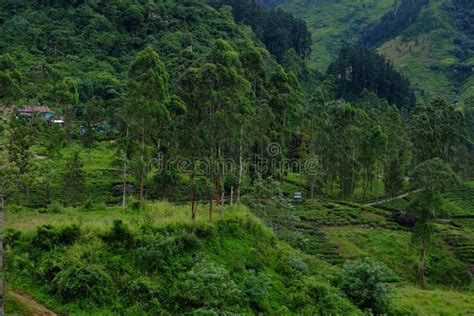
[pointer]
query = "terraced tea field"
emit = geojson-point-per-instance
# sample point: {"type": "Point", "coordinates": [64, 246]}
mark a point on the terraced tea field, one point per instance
{"type": "Point", "coordinates": [462, 244]}
{"type": "Point", "coordinates": [336, 231]}
{"type": "Point", "coordinates": [458, 202]}
{"type": "Point", "coordinates": [305, 225]}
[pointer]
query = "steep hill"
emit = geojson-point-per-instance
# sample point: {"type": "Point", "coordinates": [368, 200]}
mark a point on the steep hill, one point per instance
{"type": "Point", "coordinates": [112, 261]}
{"type": "Point", "coordinates": [430, 42]}
{"type": "Point", "coordinates": [95, 42]}
{"type": "Point", "coordinates": [436, 50]}
{"type": "Point", "coordinates": [157, 261]}
{"type": "Point", "coordinates": [335, 23]}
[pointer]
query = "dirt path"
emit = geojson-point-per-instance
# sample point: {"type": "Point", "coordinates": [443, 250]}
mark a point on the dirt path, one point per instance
{"type": "Point", "coordinates": [32, 306]}
{"type": "Point", "coordinates": [393, 199]}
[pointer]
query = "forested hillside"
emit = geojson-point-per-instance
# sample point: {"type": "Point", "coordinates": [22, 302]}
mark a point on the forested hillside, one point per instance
{"type": "Point", "coordinates": [334, 24]}
{"type": "Point", "coordinates": [430, 42]}
{"type": "Point", "coordinates": [277, 29]}
{"type": "Point", "coordinates": [187, 157]}
{"type": "Point", "coordinates": [436, 50]}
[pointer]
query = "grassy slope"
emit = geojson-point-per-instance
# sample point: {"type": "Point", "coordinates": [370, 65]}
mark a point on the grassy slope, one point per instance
{"type": "Point", "coordinates": [240, 245]}
{"type": "Point", "coordinates": [336, 231]}
{"type": "Point", "coordinates": [334, 23]}
{"type": "Point", "coordinates": [328, 232]}
{"type": "Point", "coordinates": [434, 302]}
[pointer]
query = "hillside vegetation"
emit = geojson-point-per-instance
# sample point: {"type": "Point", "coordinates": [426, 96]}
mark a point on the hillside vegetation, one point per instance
{"type": "Point", "coordinates": [430, 42]}
{"type": "Point", "coordinates": [107, 261]}
{"type": "Point", "coordinates": [158, 262]}
{"type": "Point", "coordinates": [185, 157]}
{"type": "Point", "coordinates": [436, 49]}
{"type": "Point", "coordinates": [334, 24]}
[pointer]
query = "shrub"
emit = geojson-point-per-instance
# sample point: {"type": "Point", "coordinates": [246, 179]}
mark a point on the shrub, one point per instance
{"type": "Point", "coordinates": [310, 296]}
{"type": "Point", "coordinates": [49, 265]}
{"type": "Point", "coordinates": [294, 265]}
{"type": "Point", "coordinates": [143, 289]}
{"type": "Point", "coordinates": [210, 285]}
{"type": "Point", "coordinates": [230, 226]}
{"type": "Point", "coordinates": [55, 208]}
{"type": "Point", "coordinates": [14, 208]}
{"type": "Point", "coordinates": [133, 203]}
{"type": "Point", "coordinates": [363, 283]}
{"type": "Point", "coordinates": [155, 251]}
{"type": "Point", "coordinates": [327, 300]}
{"type": "Point", "coordinates": [48, 237]}
{"type": "Point", "coordinates": [89, 205]}
{"type": "Point", "coordinates": [119, 236]}
{"type": "Point", "coordinates": [205, 231]}
{"type": "Point", "coordinates": [144, 292]}
{"type": "Point", "coordinates": [11, 237]}
{"type": "Point", "coordinates": [256, 291]}
{"type": "Point", "coordinates": [83, 281]}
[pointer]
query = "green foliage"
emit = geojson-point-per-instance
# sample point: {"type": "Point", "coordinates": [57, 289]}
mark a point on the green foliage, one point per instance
{"type": "Point", "coordinates": [447, 271]}
{"type": "Point", "coordinates": [10, 79]}
{"type": "Point", "coordinates": [394, 22]}
{"type": "Point", "coordinates": [11, 237]}
{"type": "Point", "coordinates": [446, 136]}
{"type": "Point", "coordinates": [55, 207]}
{"type": "Point", "coordinates": [277, 29]}
{"type": "Point", "coordinates": [155, 251]}
{"type": "Point", "coordinates": [363, 283]}
{"type": "Point", "coordinates": [119, 236]}
{"type": "Point", "coordinates": [210, 286]}
{"type": "Point", "coordinates": [333, 24]}
{"type": "Point", "coordinates": [74, 178]}
{"type": "Point", "coordinates": [232, 265]}
{"type": "Point", "coordinates": [202, 86]}
{"type": "Point", "coordinates": [83, 281]}
{"type": "Point", "coordinates": [48, 237]}
{"type": "Point", "coordinates": [357, 69]}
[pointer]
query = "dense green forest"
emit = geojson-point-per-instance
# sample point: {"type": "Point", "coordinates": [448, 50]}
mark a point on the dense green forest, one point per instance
{"type": "Point", "coordinates": [185, 157]}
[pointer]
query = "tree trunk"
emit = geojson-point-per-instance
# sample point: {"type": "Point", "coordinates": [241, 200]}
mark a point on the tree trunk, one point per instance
{"type": "Point", "coordinates": [124, 184]}
{"type": "Point", "coordinates": [421, 266]}
{"type": "Point", "coordinates": [2, 284]}
{"type": "Point", "coordinates": [239, 182]}
{"type": "Point", "coordinates": [210, 208]}
{"type": "Point", "coordinates": [222, 199]}
{"type": "Point", "coordinates": [142, 171]}
{"type": "Point", "coordinates": [218, 191]}
{"type": "Point", "coordinates": [193, 198]}
{"type": "Point", "coordinates": [124, 172]}
{"type": "Point", "coordinates": [367, 183]}
{"type": "Point", "coordinates": [193, 166]}
{"type": "Point", "coordinates": [231, 195]}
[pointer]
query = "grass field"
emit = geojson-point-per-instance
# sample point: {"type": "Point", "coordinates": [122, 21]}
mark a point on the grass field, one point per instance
{"type": "Point", "coordinates": [434, 302]}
